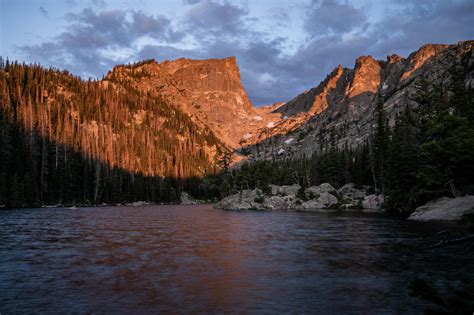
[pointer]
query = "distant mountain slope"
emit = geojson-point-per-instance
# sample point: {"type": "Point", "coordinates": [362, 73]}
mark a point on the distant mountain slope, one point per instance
{"type": "Point", "coordinates": [109, 121]}
{"type": "Point", "coordinates": [340, 109]}
{"type": "Point", "coordinates": [210, 91]}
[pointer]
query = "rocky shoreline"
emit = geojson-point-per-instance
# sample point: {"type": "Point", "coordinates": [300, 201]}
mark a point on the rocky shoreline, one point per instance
{"type": "Point", "coordinates": [315, 198]}
{"type": "Point", "coordinates": [325, 198]}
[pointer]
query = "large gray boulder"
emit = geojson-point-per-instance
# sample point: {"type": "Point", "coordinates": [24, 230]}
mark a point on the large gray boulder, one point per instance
{"type": "Point", "coordinates": [327, 200]}
{"type": "Point", "coordinates": [312, 204]}
{"type": "Point", "coordinates": [186, 199]}
{"type": "Point", "coordinates": [232, 203]}
{"type": "Point", "coordinates": [285, 190]}
{"type": "Point", "coordinates": [244, 200]}
{"type": "Point", "coordinates": [247, 193]}
{"type": "Point", "coordinates": [373, 203]}
{"type": "Point", "coordinates": [350, 193]}
{"type": "Point", "coordinates": [323, 188]}
{"type": "Point", "coordinates": [447, 209]}
{"type": "Point", "coordinates": [275, 203]}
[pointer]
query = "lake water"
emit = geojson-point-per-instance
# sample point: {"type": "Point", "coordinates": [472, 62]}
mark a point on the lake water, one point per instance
{"type": "Point", "coordinates": [202, 260]}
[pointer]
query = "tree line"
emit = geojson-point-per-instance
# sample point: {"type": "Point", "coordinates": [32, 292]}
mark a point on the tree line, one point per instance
{"type": "Point", "coordinates": [66, 140]}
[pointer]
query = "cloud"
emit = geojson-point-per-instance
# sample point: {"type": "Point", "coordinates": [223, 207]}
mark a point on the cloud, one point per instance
{"type": "Point", "coordinates": [418, 23]}
{"type": "Point", "coordinates": [43, 12]}
{"type": "Point", "coordinates": [213, 18]}
{"type": "Point", "coordinates": [330, 16]}
{"type": "Point", "coordinates": [83, 46]}
{"type": "Point", "coordinates": [98, 3]}
{"type": "Point", "coordinates": [331, 32]}
{"type": "Point", "coordinates": [191, 1]}
{"type": "Point", "coordinates": [163, 52]}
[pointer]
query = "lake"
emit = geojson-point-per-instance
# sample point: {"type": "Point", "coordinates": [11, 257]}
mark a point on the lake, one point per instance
{"type": "Point", "coordinates": [203, 260]}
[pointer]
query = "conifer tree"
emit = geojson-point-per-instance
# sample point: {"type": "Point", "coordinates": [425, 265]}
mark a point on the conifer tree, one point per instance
{"type": "Point", "coordinates": [380, 144]}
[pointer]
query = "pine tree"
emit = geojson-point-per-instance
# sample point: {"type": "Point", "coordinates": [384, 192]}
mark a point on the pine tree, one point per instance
{"type": "Point", "coordinates": [380, 144]}
{"type": "Point", "coordinates": [402, 164]}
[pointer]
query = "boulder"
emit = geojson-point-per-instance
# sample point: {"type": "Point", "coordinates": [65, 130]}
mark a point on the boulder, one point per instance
{"type": "Point", "coordinates": [323, 188]}
{"type": "Point", "coordinates": [247, 193]}
{"type": "Point", "coordinates": [373, 202]}
{"type": "Point", "coordinates": [349, 192]}
{"type": "Point", "coordinates": [327, 200]}
{"type": "Point", "coordinates": [275, 203]}
{"type": "Point", "coordinates": [285, 190]}
{"type": "Point", "coordinates": [446, 209]}
{"type": "Point", "coordinates": [275, 189]}
{"type": "Point", "coordinates": [235, 203]}
{"type": "Point", "coordinates": [312, 204]}
{"type": "Point", "coordinates": [186, 199]}
{"type": "Point", "coordinates": [244, 200]}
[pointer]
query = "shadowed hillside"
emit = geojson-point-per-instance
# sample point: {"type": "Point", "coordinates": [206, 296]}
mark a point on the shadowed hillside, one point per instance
{"type": "Point", "coordinates": [66, 140]}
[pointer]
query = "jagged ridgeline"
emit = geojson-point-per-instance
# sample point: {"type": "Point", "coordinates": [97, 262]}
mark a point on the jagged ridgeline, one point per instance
{"type": "Point", "coordinates": [66, 139]}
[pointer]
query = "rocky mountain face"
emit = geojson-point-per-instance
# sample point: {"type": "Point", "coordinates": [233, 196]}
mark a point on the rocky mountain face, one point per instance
{"type": "Point", "coordinates": [210, 91]}
{"type": "Point", "coordinates": [340, 109]}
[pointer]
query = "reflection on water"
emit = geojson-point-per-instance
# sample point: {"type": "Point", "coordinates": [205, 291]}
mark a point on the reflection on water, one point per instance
{"type": "Point", "coordinates": [195, 258]}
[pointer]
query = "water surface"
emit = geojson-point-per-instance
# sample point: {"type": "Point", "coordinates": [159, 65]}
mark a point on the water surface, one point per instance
{"type": "Point", "coordinates": [199, 259]}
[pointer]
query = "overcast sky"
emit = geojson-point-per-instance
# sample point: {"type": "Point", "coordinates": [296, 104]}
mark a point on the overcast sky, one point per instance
{"type": "Point", "coordinates": [282, 47]}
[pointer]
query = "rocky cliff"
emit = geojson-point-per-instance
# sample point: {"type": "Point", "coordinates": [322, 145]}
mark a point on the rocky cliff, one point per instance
{"type": "Point", "coordinates": [210, 91]}
{"type": "Point", "coordinates": [341, 108]}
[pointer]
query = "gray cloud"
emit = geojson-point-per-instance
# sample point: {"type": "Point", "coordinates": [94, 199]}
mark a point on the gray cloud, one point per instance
{"type": "Point", "coordinates": [328, 16]}
{"type": "Point", "coordinates": [81, 46]}
{"type": "Point", "coordinates": [211, 18]}
{"type": "Point", "coordinates": [162, 52]}
{"type": "Point", "coordinates": [191, 1]}
{"type": "Point", "coordinates": [98, 3]}
{"type": "Point", "coordinates": [423, 22]}
{"type": "Point", "coordinates": [43, 12]}
{"type": "Point", "coordinates": [336, 32]}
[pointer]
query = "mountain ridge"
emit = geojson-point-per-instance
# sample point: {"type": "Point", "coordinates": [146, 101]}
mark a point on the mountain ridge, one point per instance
{"type": "Point", "coordinates": [208, 90]}
{"type": "Point", "coordinates": [349, 103]}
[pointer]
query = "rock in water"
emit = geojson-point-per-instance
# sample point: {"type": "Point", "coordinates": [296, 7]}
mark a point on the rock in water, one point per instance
{"type": "Point", "coordinates": [327, 200]}
{"type": "Point", "coordinates": [186, 199]}
{"type": "Point", "coordinates": [446, 209]}
{"type": "Point", "coordinates": [373, 202]}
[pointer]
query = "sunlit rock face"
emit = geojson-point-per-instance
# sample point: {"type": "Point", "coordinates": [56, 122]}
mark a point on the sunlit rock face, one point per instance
{"type": "Point", "coordinates": [417, 59]}
{"type": "Point", "coordinates": [341, 108]}
{"type": "Point", "coordinates": [210, 91]}
{"type": "Point", "coordinates": [315, 100]}
{"type": "Point", "coordinates": [366, 77]}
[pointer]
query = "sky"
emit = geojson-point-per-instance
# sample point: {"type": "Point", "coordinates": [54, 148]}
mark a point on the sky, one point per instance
{"type": "Point", "coordinates": [283, 47]}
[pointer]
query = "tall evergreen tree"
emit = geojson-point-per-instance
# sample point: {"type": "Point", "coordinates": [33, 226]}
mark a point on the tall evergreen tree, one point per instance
{"type": "Point", "coordinates": [380, 143]}
{"type": "Point", "coordinates": [402, 164]}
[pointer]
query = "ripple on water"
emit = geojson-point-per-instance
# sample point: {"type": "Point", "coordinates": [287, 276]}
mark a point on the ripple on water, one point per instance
{"type": "Point", "coordinates": [196, 258]}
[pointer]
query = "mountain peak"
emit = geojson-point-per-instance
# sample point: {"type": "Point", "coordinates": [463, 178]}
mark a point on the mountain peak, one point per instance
{"type": "Point", "coordinates": [418, 58]}
{"type": "Point", "coordinates": [394, 58]}
{"type": "Point", "coordinates": [362, 60]}
{"type": "Point", "coordinates": [348, 118]}
{"type": "Point", "coordinates": [366, 76]}
{"type": "Point", "coordinates": [209, 90]}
